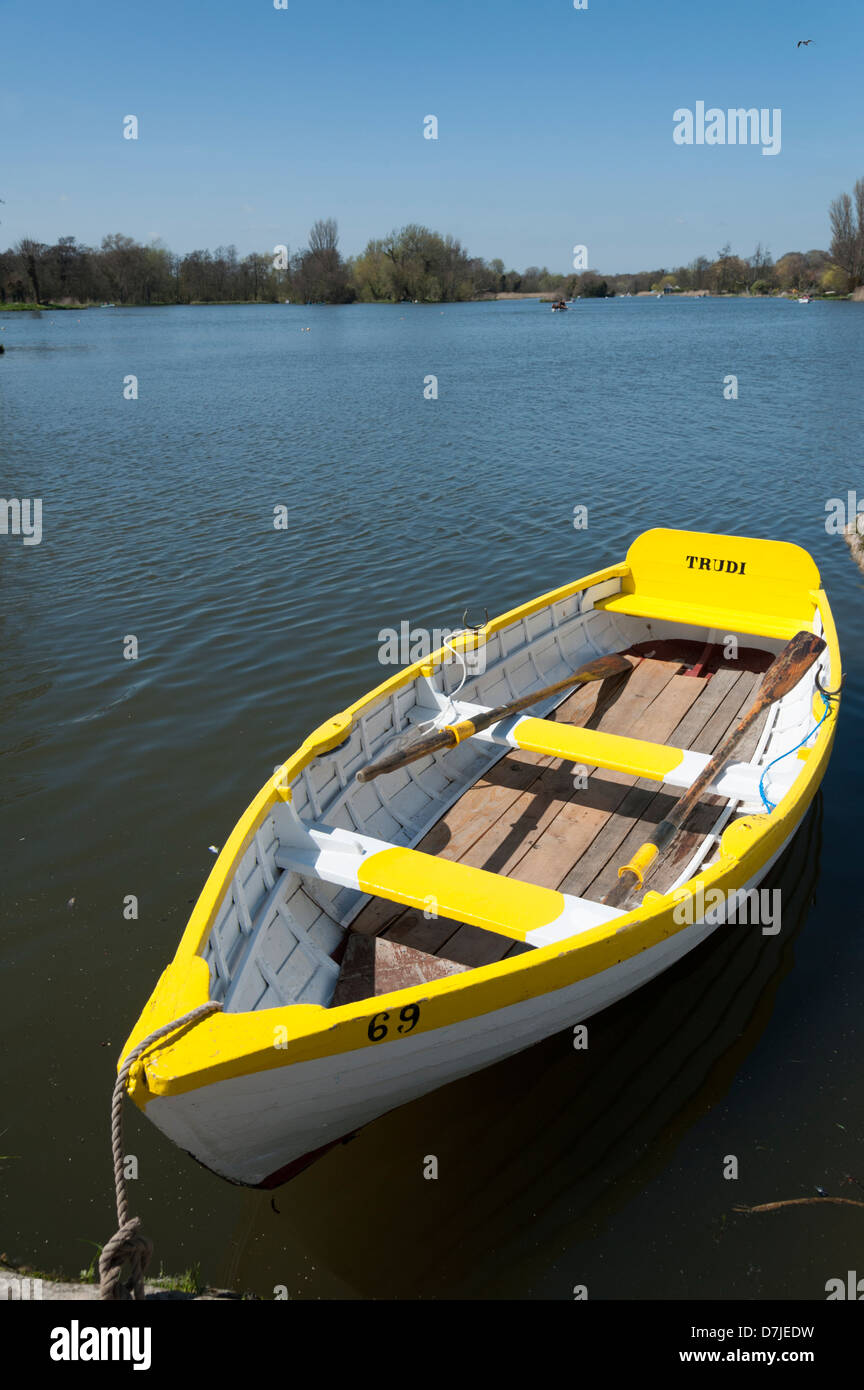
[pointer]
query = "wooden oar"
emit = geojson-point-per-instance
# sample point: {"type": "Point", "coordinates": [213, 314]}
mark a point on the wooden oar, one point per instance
{"type": "Point", "coordinates": [782, 676]}
{"type": "Point", "coordinates": [451, 734]}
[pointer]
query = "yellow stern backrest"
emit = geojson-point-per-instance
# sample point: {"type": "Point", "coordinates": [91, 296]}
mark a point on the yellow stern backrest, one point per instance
{"type": "Point", "coordinates": [759, 586]}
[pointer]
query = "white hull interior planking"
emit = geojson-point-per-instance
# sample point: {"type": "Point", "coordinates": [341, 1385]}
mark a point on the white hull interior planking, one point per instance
{"type": "Point", "coordinates": [284, 934]}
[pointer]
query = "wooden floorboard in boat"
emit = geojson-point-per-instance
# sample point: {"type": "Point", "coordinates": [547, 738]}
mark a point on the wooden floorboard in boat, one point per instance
{"type": "Point", "coordinates": [526, 819]}
{"type": "Point", "coordinates": [648, 805]}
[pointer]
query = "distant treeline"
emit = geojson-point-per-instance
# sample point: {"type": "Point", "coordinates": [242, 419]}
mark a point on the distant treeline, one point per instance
{"type": "Point", "coordinates": [412, 263]}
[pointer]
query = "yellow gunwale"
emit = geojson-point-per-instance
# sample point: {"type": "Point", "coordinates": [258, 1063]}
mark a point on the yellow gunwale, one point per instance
{"type": "Point", "coordinates": [230, 1045]}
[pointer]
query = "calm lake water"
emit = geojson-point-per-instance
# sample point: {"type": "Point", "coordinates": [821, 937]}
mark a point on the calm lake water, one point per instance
{"type": "Point", "coordinates": [557, 1168]}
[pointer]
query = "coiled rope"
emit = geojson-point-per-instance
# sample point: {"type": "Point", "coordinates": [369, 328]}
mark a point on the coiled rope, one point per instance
{"type": "Point", "coordinates": [128, 1244]}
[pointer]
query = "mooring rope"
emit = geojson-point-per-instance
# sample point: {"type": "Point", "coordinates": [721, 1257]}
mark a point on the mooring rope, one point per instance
{"type": "Point", "coordinates": [827, 697]}
{"type": "Point", "coordinates": [128, 1243]}
{"type": "Point", "coordinates": [444, 717]}
{"type": "Point", "coordinates": [446, 714]}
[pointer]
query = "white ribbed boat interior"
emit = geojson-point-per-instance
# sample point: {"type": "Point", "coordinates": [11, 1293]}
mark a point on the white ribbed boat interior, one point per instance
{"type": "Point", "coordinates": [276, 930]}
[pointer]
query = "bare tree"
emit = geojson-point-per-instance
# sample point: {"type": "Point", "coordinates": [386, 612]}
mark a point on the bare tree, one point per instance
{"type": "Point", "coordinates": [31, 252]}
{"type": "Point", "coordinates": [319, 274]}
{"type": "Point", "coordinates": [760, 263]}
{"type": "Point", "coordinates": [847, 233]}
{"type": "Point", "coordinates": [324, 236]}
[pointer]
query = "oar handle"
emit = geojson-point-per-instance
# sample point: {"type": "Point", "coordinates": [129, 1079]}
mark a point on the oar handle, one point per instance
{"type": "Point", "coordinates": [600, 669]}
{"type": "Point", "coordinates": [631, 875]}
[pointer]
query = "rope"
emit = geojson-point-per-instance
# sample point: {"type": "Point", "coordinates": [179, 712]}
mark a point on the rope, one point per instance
{"type": "Point", "coordinates": [826, 700]}
{"type": "Point", "coordinates": [128, 1243]}
{"type": "Point", "coordinates": [444, 717]}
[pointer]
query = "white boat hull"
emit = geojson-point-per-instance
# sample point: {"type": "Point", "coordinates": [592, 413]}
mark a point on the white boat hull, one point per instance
{"type": "Point", "coordinates": [283, 1065]}
{"type": "Point", "coordinates": [257, 1129]}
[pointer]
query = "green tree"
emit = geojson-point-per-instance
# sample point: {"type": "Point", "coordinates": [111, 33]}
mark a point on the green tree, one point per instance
{"type": "Point", "coordinates": [833, 280]}
{"type": "Point", "coordinates": [595, 289]}
{"type": "Point", "coordinates": [371, 273]}
{"type": "Point", "coordinates": [427, 267]}
{"type": "Point", "coordinates": [729, 275]}
{"type": "Point", "coordinates": [790, 272]}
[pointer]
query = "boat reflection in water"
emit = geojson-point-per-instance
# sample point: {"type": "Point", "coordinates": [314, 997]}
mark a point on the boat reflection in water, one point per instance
{"type": "Point", "coordinates": [537, 1153]}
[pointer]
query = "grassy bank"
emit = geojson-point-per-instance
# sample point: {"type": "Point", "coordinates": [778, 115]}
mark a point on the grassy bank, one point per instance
{"type": "Point", "coordinates": [21, 1283]}
{"type": "Point", "coordinates": [35, 308]}
{"type": "Point", "coordinates": [155, 304]}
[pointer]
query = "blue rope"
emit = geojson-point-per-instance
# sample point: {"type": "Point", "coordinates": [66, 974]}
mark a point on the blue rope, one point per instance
{"type": "Point", "coordinates": [771, 805]}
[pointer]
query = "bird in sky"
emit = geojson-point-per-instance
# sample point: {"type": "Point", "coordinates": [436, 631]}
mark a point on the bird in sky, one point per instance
{"type": "Point", "coordinates": [804, 41]}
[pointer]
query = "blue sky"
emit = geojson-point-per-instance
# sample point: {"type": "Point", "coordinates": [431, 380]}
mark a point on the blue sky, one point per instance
{"type": "Point", "coordinates": [555, 125]}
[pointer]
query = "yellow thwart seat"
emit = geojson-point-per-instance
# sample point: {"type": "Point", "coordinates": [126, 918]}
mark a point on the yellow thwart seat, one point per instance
{"type": "Point", "coordinates": [508, 906]}
{"type": "Point", "coordinates": [725, 583]}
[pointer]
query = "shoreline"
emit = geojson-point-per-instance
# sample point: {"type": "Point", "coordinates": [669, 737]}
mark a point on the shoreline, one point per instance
{"type": "Point", "coordinates": [24, 1285]}
{"type": "Point", "coordinates": [544, 297]}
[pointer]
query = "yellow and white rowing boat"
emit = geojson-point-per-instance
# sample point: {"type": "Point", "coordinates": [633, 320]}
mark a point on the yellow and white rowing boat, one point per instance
{"type": "Point", "coordinates": [368, 939]}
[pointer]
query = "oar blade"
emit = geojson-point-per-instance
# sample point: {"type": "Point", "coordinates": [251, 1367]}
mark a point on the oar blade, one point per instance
{"type": "Point", "coordinates": [603, 668]}
{"type": "Point", "coordinates": [793, 662]}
